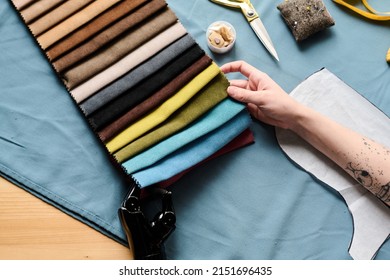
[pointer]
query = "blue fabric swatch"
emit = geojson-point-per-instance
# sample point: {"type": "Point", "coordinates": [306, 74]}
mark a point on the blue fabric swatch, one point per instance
{"type": "Point", "coordinates": [216, 117]}
{"type": "Point", "coordinates": [194, 152]}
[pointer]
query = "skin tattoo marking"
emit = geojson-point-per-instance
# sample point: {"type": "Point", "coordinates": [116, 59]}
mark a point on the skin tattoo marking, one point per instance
{"type": "Point", "coordinates": [384, 193]}
{"type": "Point", "coordinates": [362, 176]}
{"type": "Point", "coordinates": [365, 179]}
{"type": "Point", "coordinates": [366, 175]}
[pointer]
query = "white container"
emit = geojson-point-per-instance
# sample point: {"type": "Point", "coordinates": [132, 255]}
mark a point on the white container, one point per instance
{"type": "Point", "coordinates": [215, 26]}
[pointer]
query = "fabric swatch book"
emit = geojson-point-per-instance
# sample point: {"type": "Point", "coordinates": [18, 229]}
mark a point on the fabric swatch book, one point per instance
{"type": "Point", "coordinates": [154, 99]}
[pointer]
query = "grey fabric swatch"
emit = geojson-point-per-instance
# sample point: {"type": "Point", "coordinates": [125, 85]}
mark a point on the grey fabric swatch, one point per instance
{"type": "Point", "coordinates": [129, 80]}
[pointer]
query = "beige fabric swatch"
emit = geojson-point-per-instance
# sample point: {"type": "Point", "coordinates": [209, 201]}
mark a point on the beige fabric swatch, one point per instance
{"type": "Point", "coordinates": [75, 21]}
{"type": "Point", "coordinates": [20, 4]}
{"type": "Point", "coordinates": [57, 15]}
{"type": "Point", "coordinates": [38, 9]}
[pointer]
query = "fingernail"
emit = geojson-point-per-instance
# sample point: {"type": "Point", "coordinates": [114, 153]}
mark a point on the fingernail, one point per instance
{"type": "Point", "coordinates": [230, 91]}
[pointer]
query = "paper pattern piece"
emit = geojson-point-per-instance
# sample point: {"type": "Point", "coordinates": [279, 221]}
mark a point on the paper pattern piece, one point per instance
{"type": "Point", "coordinates": [326, 93]}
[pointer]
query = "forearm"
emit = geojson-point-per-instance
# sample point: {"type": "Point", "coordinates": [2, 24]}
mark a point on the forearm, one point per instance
{"type": "Point", "coordinates": [365, 160]}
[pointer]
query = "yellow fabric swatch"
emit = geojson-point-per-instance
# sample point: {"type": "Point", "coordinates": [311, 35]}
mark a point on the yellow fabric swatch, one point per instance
{"type": "Point", "coordinates": [213, 93]}
{"type": "Point", "coordinates": [75, 21]}
{"type": "Point", "coordinates": [165, 110]}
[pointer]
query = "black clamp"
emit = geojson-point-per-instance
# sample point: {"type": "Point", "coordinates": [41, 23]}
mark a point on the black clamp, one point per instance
{"type": "Point", "coordinates": [146, 237]}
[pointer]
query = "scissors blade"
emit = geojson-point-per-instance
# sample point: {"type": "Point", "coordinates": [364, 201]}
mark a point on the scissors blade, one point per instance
{"type": "Point", "coordinates": [262, 34]}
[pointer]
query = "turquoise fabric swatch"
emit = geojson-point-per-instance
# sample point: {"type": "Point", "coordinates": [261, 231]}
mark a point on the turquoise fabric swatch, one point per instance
{"type": "Point", "coordinates": [194, 152]}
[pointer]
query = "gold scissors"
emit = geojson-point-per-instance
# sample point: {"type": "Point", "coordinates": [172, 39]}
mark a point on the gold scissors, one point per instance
{"type": "Point", "coordinates": [254, 20]}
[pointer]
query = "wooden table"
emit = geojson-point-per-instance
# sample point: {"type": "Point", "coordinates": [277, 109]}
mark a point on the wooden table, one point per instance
{"type": "Point", "coordinates": [33, 229]}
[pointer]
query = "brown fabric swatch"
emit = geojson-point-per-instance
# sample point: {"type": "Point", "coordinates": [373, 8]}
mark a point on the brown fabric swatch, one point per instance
{"type": "Point", "coordinates": [57, 15]}
{"type": "Point", "coordinates": [114, 52]}
{"type": "Point", "coordinates": [108, 35]}
{"type": "Point", "coordinates": [155, 100]}
{"type": "Point", "coordinates": [93, 27]}
{"type": "Point", "coordinates": [38, 9]}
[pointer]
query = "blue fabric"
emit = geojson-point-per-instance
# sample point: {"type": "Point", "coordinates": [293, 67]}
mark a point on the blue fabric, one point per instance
{"type": "Point", "coordinates": [194, 152]}
{"type": "Point", "coordinates": [219, 115]}
{"type": "Point", "coordinates": [253, 203]}
{"type": "Point", "coordinates": [44, 138]}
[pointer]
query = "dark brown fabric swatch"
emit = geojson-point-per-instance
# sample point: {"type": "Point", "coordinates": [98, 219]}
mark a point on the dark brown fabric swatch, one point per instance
{"type": "Point", "coordinates": [93, 27]}
{"type": "Point", "coordinates": [156, 99]}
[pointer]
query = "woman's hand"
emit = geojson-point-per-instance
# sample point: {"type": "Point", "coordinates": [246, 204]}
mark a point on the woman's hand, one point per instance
{"type": "Point", "coordinates": [365, 160]}
{"type": "Point", "coordinates": [265, 99]}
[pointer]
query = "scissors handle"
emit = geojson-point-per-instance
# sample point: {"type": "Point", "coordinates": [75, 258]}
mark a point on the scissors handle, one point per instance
{"type": "Point", "coordinates": [245, 6]}
{"type": "Point", "coordinates": [228, 3]}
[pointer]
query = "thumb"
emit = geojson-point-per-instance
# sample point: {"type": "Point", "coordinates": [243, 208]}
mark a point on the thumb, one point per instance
{"type": "Point", "coordinates": [244, 95]}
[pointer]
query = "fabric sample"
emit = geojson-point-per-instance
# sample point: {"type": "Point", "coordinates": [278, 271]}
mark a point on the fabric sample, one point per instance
{"type": "Point", "coordinates": [155, 100]}
{"type": "Point", "coordinates": [163, 112]}
{"type": "Point", "coordinates": [92, 28]}
{"type": "Point", "coordinates": [213, 119]}
{"type": "Point", "coordinates": [110, 34]}
{"type": "Point", "coordinates": [73, 22]}
{"type": "Point", "coordinates": [57, 15]}
{"type": "Point", "coordinates": [119, 49]}
{"type": "Point", "coordinates": [242, 140]}
{"type": "Point", "coordinates": [207, 98]}
{"type": "Point", "coordinates": [193, 153]}
{"type": "Point", "coordinates": [127, 63]}
{"type": "Point", "coordinates": [39, 8]}
{"type": "Point", "coordinates": [143, 90]}
{"type": "Point", "coordinates": [21, 4]}
{"type": "Point", "coordinates": [124, 83]}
